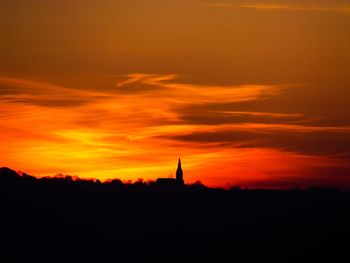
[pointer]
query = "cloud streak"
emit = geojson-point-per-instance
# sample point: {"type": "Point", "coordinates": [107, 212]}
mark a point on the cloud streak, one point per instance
{"type": "Point", "coordinates": [141, 125]}
{"type": "Point", "coordinates": [281, 5]}
{"type": "Point", "coordinates": [14, 90]}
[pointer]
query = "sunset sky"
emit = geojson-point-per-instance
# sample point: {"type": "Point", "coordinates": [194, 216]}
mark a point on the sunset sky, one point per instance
{"type": "Point", "coordinates": [249, 93]}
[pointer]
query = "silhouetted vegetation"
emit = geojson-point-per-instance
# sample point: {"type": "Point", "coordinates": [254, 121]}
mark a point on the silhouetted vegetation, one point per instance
{"type": "Point", "coordinates": [66, 219]}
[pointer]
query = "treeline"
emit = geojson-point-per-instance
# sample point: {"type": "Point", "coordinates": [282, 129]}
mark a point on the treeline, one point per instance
{"type": "Point", "coordinates": [9, 176]}
{"type": "Point", "coordinates": [66, 219]}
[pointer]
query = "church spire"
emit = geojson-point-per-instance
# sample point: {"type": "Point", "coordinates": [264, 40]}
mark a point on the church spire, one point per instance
{"type": "Point", "coordinates": [179, 173]}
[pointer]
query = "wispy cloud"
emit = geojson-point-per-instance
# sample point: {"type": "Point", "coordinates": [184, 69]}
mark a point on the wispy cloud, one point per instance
{"type": "Point", "coordinates": [281, 5]}
{"type": "Point", "coordinates": [138, 127]}
{"type": "Point", "coordinates": [42, 94]}
{"type": "Point", "coordinates": [170, 89]}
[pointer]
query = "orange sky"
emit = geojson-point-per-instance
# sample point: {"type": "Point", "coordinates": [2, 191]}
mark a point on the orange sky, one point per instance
{"type": "Point", "coordinates": [250, 93]}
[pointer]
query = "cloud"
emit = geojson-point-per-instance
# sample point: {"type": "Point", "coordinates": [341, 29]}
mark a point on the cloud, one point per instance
{"type": "Point", "coordinates": [309, 141]}
{"type": "Point", "coordinates": [14, 90]}
{"type": "Point", "coordinates": [146, 79]}
{"type": "Point", "coordinates": [138, 127]}
{"type": "Point", "coordinates": [168, 87]}
{"type": "Point", "coordinates": [200, 116]}
{"type": "Point", "coordinates": [320, 6]}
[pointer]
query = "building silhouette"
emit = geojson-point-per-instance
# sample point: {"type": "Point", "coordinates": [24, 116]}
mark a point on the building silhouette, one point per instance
{"type": "Point", "coordinates": [179, 173]}
{"type": "Point", "coordinates": [170, 182]}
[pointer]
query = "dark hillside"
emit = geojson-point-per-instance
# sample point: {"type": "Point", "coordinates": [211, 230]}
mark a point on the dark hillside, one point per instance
{"type": "Point", "coordinates": [66, 220]}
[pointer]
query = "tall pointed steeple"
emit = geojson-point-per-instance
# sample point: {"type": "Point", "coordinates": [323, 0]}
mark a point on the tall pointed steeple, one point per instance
{"type": "Point", "coordinates": [179, 173]}
{"type": "Point", "coordinates": [179, 164]}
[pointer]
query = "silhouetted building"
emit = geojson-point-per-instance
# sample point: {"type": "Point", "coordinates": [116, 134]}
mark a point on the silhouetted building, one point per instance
{"type": "Point", "coordinates": [173, 181]}
{"type": "Point", "coordinates": [179, 173]}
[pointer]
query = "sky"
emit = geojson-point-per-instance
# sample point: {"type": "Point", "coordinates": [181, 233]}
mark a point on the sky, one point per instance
{"type": "Point", "coordinates": [248, 93]}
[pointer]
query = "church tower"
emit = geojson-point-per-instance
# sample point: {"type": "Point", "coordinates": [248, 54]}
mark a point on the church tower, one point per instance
{"type": "Point", "coordinates": [179, 173]}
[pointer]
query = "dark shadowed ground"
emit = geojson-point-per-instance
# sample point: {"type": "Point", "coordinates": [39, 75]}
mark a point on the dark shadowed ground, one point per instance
{"type": "Point", "coordinates": [62, 220]}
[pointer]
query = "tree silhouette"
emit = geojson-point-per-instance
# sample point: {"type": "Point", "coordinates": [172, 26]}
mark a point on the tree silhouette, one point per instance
{"type": "Point", "coordinates": [66, 219]}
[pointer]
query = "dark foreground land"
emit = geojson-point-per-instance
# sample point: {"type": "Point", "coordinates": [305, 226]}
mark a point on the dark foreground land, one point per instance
{"type": "Point", "coordinates": [61, 220]}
